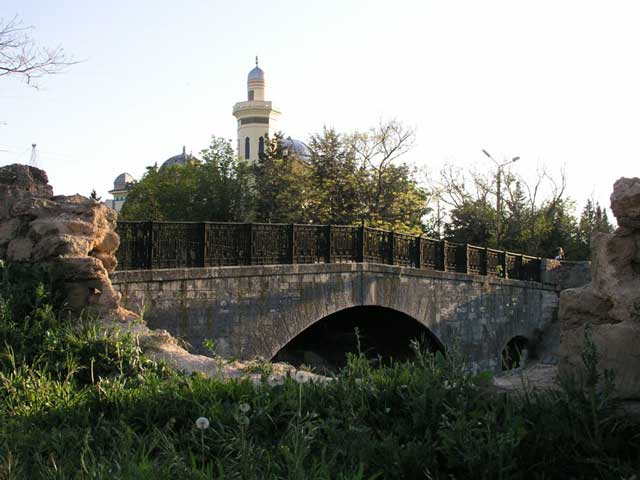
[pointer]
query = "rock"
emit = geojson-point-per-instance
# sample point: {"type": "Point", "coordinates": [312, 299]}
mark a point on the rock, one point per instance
{"type": "Point", "coordinates": [611, 302]}
{"type": "Point", "coordinates": [19, 250]}
{"type": "Point", "coordinates": [625, 202]}
{"type": "Point", "coordinates": [73, 234]}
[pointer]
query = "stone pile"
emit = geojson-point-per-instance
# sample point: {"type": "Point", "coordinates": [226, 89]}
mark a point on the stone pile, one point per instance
{"type": "Point", "coordinates": [611, 302]}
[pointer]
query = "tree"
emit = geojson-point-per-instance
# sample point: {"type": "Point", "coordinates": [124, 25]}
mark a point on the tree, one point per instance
{"type": "Point", "coordinates": [281, 186]}
{"type": "Point", "coordinates": [530, 223]}
{"type": "Point", "coordinates": [337, 182]}
{"type": "Point", "coordinates": [216, 188]}
{"type": "Point", "coordinates": [21, 57]}
{"type": "Point", "coordinates": [593, 219]}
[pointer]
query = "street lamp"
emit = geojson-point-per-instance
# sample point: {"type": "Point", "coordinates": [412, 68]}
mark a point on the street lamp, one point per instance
{"type": "Point", "coordinates": [498, 192]}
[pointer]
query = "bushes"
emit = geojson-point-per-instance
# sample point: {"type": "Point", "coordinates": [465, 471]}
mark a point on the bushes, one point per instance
{"type": "Point", "coordinates": [132, 419]}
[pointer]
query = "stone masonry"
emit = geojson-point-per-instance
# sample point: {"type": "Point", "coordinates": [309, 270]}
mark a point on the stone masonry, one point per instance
{"type": "Point", "coordinates": [254, 311]}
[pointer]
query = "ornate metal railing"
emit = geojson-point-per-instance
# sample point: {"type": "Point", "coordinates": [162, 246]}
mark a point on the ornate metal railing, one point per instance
{"type": "Point", "coordinates": [147, 245]}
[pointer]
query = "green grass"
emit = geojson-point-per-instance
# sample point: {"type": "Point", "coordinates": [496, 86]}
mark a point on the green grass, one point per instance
{"type": "Point", "coordinates": [76, 403]}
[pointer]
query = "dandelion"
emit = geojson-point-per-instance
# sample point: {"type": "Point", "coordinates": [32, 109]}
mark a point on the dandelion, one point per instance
{"type": "Point", "coordinates": [244, 407]}
{"type": "Point", "coordinates": [202, 423]}
{"type": "Point", "coordinates": [302, 377]}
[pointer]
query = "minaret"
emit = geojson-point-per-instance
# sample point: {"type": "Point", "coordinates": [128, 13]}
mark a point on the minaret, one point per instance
{"type": "Point", "coordinates": [256, 117]}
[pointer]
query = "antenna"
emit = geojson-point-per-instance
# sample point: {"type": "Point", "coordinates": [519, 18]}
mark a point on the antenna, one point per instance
{"type": "Point", "coordinates": [33, 162]}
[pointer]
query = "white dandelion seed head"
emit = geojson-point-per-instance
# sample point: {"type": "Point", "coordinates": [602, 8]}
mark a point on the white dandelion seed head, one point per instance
{"type": "Point", "coordinates": [244, 407]}
{"type": "Point", "coordinates": [202, 423]}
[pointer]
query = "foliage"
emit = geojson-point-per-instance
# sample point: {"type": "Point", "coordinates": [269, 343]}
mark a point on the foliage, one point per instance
{"type": "Point", "coordinates": [592, 220]}
{"type": "Point", "coordinates": [528, 221]}
{"type": "Point", "coordinates": [216, 188]}
{"type": "Point", "coordinates": [348, 178]}
{"type": "Point", "coordinates": [427, 417]}
{"type": "Point", "coordinates": [281, 186]}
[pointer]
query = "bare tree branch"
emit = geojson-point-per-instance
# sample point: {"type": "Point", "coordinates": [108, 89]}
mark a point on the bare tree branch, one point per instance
{"type": "Point", "coordinates": [21, 57]}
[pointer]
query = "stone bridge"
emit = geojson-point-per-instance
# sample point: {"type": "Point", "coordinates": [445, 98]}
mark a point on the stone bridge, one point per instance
{"type": "Point", "coordinates": [255, 311]}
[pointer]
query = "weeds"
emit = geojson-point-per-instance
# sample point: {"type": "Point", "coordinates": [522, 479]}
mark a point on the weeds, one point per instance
{"type": "Point", "coordinates": [78, 403]}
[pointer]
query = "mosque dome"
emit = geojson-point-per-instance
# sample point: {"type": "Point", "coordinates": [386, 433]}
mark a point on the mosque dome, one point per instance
{"type": "Point", "coordinates": [122, 181]}
{"type": "Point", "coordinates": [296, 147]}
{"type": "Point", "coordinates": [180, 159]}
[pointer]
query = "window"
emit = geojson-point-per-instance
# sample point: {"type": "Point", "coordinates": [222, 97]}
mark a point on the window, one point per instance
{"type": "Point", "coordinates": [247, 149]}
{"type": "Point", "coordinates": [250, 95]}
{"type": "Point", "coordinates": [261, 146]}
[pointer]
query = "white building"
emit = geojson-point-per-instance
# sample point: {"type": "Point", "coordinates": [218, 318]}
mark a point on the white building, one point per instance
{"type": "Point", "coordinates": [257, 120]}
{"type": "Point", "coordinates": [256, 117]}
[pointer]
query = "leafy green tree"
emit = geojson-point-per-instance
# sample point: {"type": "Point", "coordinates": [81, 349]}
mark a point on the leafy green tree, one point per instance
{"type": "Point", "coordinates": [281, 185]}
{"type": "Point", "coordinates": [474, 222]}
{"type": "Point", "coordinates": [338, 183]}
{"type": "Point", "coordinates": [216, 188]}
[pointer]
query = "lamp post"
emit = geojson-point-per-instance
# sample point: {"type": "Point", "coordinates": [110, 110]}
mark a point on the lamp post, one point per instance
{"type": "Point", "coordinates": [498, 192]}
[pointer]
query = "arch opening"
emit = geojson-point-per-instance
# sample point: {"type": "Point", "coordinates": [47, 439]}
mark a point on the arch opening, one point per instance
{"type": "Point", "coordinates": [515, 353]}
{"type": "Point", "coordinates": [378, 332]}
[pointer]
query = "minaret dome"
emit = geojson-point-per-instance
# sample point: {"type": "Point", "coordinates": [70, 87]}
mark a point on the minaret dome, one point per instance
{"type": "Point", "coordinates": [255, 83]}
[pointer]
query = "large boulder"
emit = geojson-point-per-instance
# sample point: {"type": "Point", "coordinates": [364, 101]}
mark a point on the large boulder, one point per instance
{"type": "Point", "coordinates": [73, 234]}
{"type": "Point", "coordinates": [611, 302]}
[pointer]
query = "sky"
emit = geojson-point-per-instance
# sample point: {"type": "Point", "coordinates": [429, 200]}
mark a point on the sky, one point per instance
{"type": "Point", "coordinates": [555, 82]}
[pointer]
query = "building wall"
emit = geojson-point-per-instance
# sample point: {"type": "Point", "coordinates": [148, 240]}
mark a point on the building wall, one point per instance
{"type": "Point", "coordinates": [255, 311]}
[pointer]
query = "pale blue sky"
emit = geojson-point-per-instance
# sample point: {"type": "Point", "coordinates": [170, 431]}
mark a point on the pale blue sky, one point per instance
{"type": "Point", "coordinates": [553, 81]}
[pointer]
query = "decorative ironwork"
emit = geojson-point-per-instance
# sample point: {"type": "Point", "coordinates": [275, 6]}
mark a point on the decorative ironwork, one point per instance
{"type": "Point", "coordinates": [495, 263]}
{"type": "Point", "coordinates": [404, 249]}
{"type": "Point", "coordinates": [476, 260]}
{"type": "Point", "coordinates": [146, 245]}
{"type": "Point", "coordinates": [225, 244]}
{"type": "Point", "coordinates": [310, 244]}
{"type": "Point", "coordinates": [269, 244]}
{"type": "Point", "coordinates": [431, 254]}
{"type": "Point", "coordinates": [456, 257]}
{"type": "Point", "coordinates": [176, 245]}
{"type": "Point", "coordinates": [343, 244]}
{"type": "Point", "coordinates": [377, 246]}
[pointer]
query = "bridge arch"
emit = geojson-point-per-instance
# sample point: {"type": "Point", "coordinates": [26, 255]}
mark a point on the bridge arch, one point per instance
{"type": "Point", "coordinates": [376, 331]}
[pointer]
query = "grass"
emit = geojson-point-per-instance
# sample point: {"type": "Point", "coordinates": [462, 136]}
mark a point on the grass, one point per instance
{"type": "Point", "coordinates": [76, 403]}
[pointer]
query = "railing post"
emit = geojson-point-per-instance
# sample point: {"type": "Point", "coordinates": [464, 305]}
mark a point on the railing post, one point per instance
{"type": "Point", "coordinates": [329, 244]}
{"type": "Point", "coordinates": [466, 258]}
{"type": "Point", "coordinates": [292, 243]}
{"type": "Point", "coordinates": [392, 247]}
{"type": "Point", "coordinates": [519, 263]}
{"type": "Point", "coordinates": [485, 262]}
{"type": "Point", "coordinates": [418, 254]}
{"type": "Point", "coordinates": [249, 243]}
{"type": "Point", "coordinates": [444, 255]}
{"type": "Point", "coordinates": [360, 254]}
{"type": "Point", "coordinates": [149, 251]}
{"type": "Point", "coordinates": [203, 239]}
{"type": "Point", "coordinates": [505, 273]}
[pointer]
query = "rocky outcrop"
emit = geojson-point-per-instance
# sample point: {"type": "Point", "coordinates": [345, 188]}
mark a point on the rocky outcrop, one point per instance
{"type": "Point", "coordinates": [611, 302]}
{"type": "Point", "coordinates": [73, 234]}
